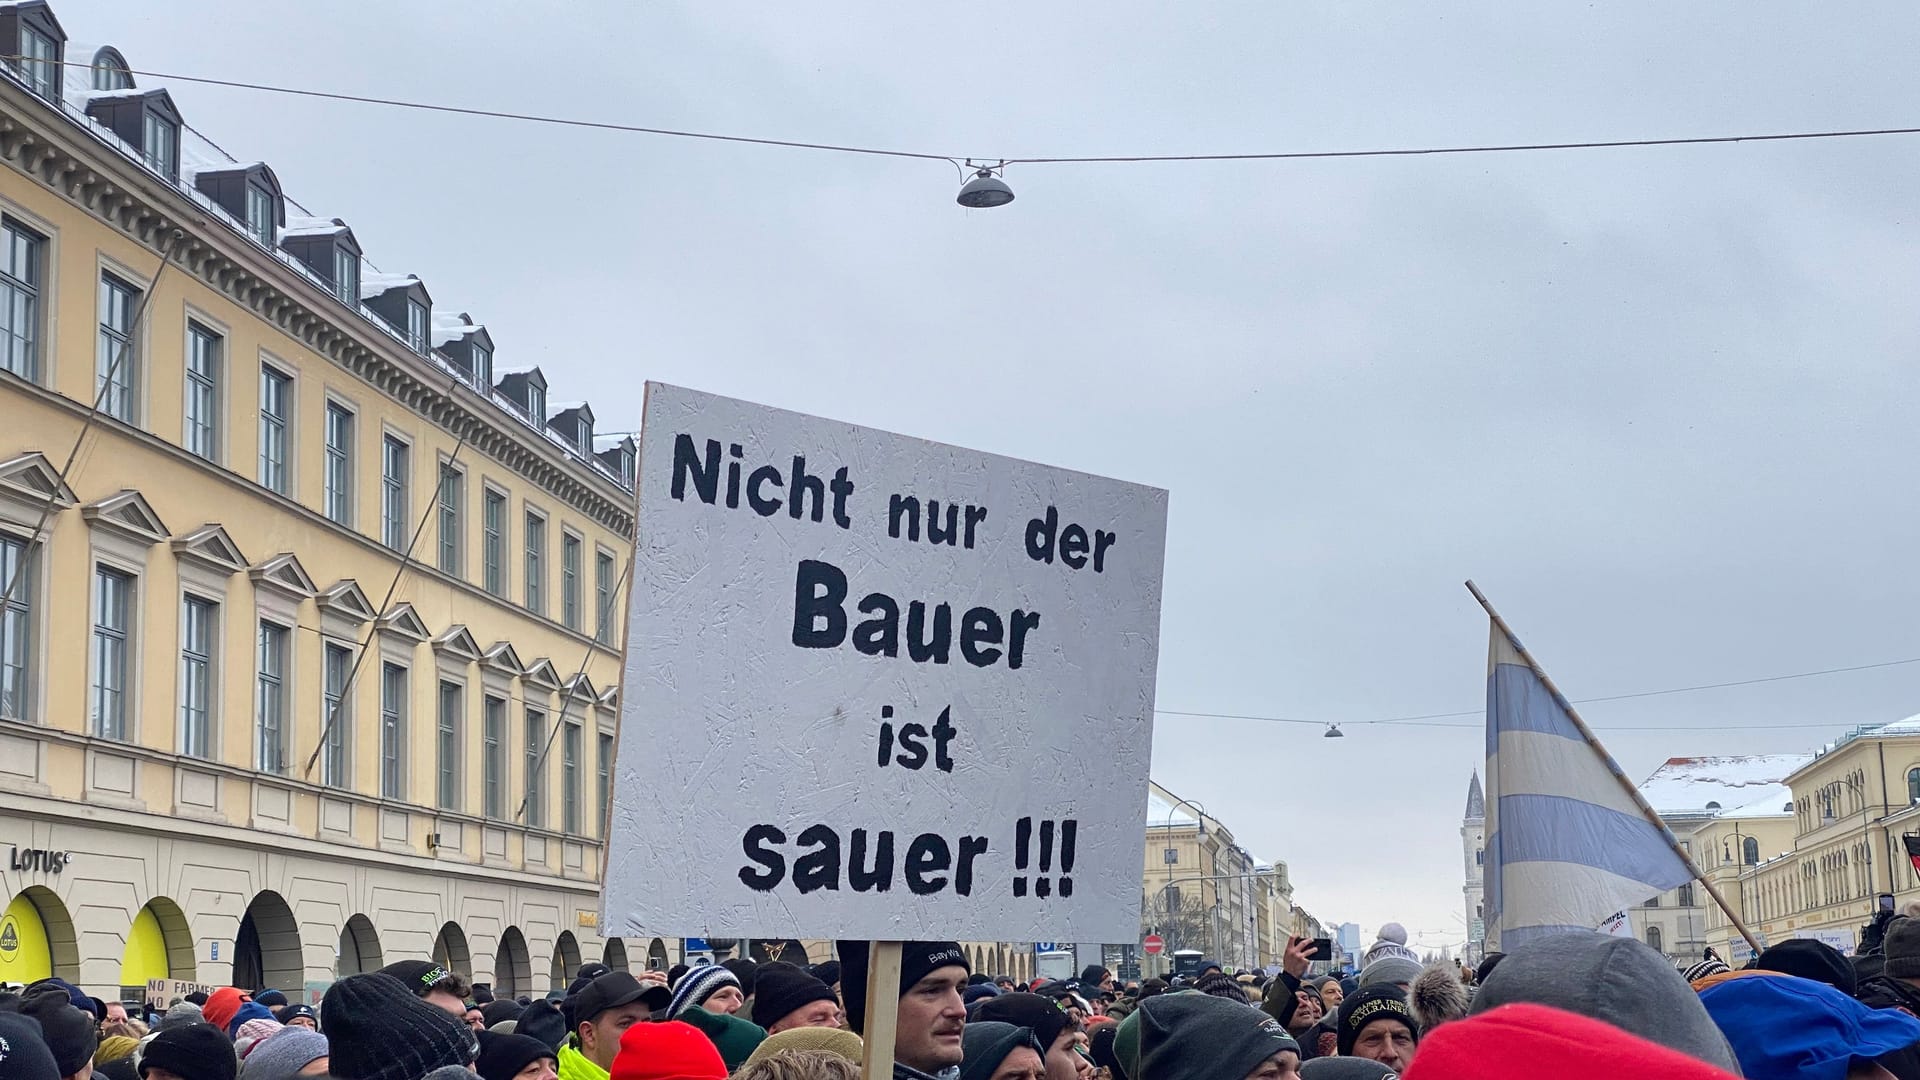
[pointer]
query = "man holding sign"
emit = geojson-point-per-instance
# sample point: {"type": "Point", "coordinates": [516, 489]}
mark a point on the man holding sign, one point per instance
{"type": "Point", "coordinates": [930, 1018]}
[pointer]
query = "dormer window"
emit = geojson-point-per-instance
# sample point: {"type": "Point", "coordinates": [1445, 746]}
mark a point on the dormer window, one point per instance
{"type": "Point", "coordinates": [536, 401]}
{"type": "Point", "coordinates": [160, 145]}
{"type": "Point", "coordinates": [482, 365]}
{"type": "Point", "coordinates": [346, 274]}
{"type": "Point", "coordinates": [39, 62]}
{"type": "Point", "coordinates": [260, 213]}
{"type": "Point", "coordinates": [35, 43]}
{"type": "Point", "coordinates": [110, 71]}
{"type": "Point", "coordinates": [417, 326]}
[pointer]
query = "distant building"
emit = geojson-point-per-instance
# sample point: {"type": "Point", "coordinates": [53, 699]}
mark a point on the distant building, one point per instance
{"type": "Point", "coordinates": [1473, 845]}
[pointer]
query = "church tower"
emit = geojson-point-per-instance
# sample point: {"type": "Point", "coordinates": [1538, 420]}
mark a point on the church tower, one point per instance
{"type": "Point", "coordinates": [1473, 843]}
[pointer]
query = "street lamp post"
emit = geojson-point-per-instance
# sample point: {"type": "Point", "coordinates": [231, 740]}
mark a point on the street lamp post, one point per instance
{"type": "Point", "coordinates": [1199, 845]}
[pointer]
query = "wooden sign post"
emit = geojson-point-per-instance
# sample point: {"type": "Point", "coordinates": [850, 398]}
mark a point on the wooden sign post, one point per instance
{"type": "Point", "coordinates": [883, 1009]}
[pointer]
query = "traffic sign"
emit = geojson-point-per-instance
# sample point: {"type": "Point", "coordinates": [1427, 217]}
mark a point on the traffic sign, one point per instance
{"type": "Point", "coordinates": [1154, 945]}
{"type": "Point", "coordinates": [1046, 946]}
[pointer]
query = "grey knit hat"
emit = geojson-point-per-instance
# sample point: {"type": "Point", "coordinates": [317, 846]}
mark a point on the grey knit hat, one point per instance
{"type": "Point", "coordinates": [697, 986]}
{"type": "Point", "coordinates": [283, 1054]}
{"type": "Point", "coordinates": [1390, 969]}
{"type": "Point", "coordinates": [1902, 949]}
{"type": "Point", "coordinates": [184, 1013]}
{"type": "Point", "coordinates": [378, 1030]}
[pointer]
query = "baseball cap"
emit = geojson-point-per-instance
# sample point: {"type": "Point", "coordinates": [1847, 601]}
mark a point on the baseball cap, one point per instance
{"type": "Point", "coordinates": [612, 990]}
{"type": "Point", "coordinates": [1782, 1025]}
{"type": "Point", "coordinates": [418, 975]}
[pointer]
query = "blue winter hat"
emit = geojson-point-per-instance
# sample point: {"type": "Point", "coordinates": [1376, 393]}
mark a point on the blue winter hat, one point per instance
{"type": "Point", "coordinates": [1787, 1028]}
{"type": "Point", "coordinates": [249, 1010]}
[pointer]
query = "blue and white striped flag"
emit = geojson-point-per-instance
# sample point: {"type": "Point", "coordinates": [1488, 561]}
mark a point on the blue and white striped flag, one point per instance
{"type": "Point", "coordinates": [1568, 846]}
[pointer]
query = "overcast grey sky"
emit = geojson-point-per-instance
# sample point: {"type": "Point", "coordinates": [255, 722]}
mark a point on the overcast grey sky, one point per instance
{"type": "Point", "coordinates": [1658, 402]}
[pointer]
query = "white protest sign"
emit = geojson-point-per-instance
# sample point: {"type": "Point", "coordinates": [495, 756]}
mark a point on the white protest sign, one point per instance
{"type": "Point", "coordinates": [878, 687]}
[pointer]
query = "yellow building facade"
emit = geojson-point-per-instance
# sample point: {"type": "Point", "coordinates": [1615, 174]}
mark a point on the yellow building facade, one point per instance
{"type": "Point", "coordinates": [309, 661]}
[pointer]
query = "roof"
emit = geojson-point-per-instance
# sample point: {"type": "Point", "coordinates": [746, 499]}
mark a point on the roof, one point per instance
{"type": "Point", "coordinates": [1772, 800]}
{"type": "Point", "coordinates": [1162, 813]}
{"type": "Point", "coordinates": [1909, 726]}
{"type": "Point", "coordinates": [1686, 785]}
{"type": "Point", "coordinates": [374, 284]}
{"type": "Point", "coordinates": [1476, 799]}
{"type": "Point", "coordinates": [302, 225]}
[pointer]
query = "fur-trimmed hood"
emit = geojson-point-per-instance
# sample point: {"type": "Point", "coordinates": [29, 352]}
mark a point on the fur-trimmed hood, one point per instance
{"type": "Point", "coordinates": [1437, 995]}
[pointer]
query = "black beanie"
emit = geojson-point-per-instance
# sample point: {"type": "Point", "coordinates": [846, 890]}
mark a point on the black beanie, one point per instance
{"type": "Point", "coordinates": [1198, 1037]}
{"type": "Point", "coordinates": [193, 1052]}
{"type": "Point", "coordinates": [828, 972]}
{"type": "Point", "coordinates": [502, 1056]}
{"type": "Point", "coordinates": [1101, 1050]}
{"type": "Point", "coordinates": [542, 1020]}
{"type": "Point", "coordinates": [69, 1033]}
{"type": "Point", "coordinates": [674, 973]}
{"type": "Point", "coordinates": [780, 988]}
{"type": "Point", "coordinates": [918, 959]}
{"type": "Point", "coordinates": [1040, 1015]}
{"type": "Point", "coordinates": [1810, 959]}
{"type": "Point", "coordinates": [1380, 1001]}
{"type": "Point", "coordinates": [27, 1055]}
{"type": "Point", "coordinates": [499, 1012]}
{"type": "Point", "coordinates": [743, 969]}
{"type": "Point", "coordinates": [377, 1030]}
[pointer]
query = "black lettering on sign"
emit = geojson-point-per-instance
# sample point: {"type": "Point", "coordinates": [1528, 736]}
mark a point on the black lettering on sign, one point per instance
{"type": "Point", "coordinates": [930, 866]}
{"type": "Point", "coordinates": [1068, 831]}
{"type": "Point", "coordinates": [1045, 537]}
{"type": "Point", "coordinates": [820, 622]}
{"type": "Point", "coordinates": [700, 466]}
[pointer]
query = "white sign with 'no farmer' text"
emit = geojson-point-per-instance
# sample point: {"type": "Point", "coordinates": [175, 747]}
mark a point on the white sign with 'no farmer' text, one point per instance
{"type": "Point", "coordinates": [878, 687]}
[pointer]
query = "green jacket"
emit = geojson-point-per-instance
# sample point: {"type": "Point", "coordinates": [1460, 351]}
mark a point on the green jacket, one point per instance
{"type": "Point", "coordinates": [575, 1066]}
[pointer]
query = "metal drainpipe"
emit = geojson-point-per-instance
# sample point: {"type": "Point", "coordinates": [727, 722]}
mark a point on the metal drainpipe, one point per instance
{"type": "Point", "coordinates": [1885, 809]}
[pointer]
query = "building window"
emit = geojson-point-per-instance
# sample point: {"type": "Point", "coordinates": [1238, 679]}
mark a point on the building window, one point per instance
{"type": "Point", "coordinates": [494, 543]}
{"type": "Point", "coordinates": [39, 61]}
{"type": "Point", "coordinates": [494, 757]}
{"type": "Point", "coordinates": [16, 626]}
{"type": "Point", "coordinates": [114, 360]}
{"type": "Point", "coordinates": [417, 326]}
{"type": "Point", "coordinates": [536, 815]}
{"type": "Point", "coordinates": [161, 149]}
{"type": "Point", "coordinates": [339, 479]}
{"type": "Point", "coordinates": [1684, 896]}
{"type": "Point", "coordinates": [602, 597]}
{"type": "Point", "coordinates": [276, 391]}
{"type": "Point", "coordinates": [604, 763]}
{"type": "Point", "coordinates": [109, 75]}
{"type": "Point", "coordinates": [196, 676]}
{"type": "Point", "coordinates": [536, 562]}
{"type": "Point", "coordinates": [393, 731]}
{"type": "Point", "coordinates": [570, 778]}
{"type": "Point", "coordinates": [272, 751]}
{"type": "Point", "coordinates": [1653, 938]}
{"type": "Point", "coordinates": [452, 697]}
{"type": "Point", "coordinates": [482, 366]}
{"type": "Point", "coordinates": [21, 252]}
{"type": "Point", "coordinates": [570, 580]}
{"type": "Point", "coordinates": [203, 392]}
{"type": "Point", "coordinates": [1479, 857]}
{"type": "Point", "coordinates": [1913, 786]}
{"type": "Point", "coordinates": [1652, 901]}
{"type": "Point", "coordinates": [112, 659]}
{"type": "Point", "coordinates": [452, 496]}
{"type": "Point", "coordinates": [346, 276]}
{"type": "Point", "coordinates": [536, 403]}
{"type": "Point", "coordinates": [393, 493]}
{"type": "Point", "coordinates": [336, 714]}
{"type": "Point", "coordinates": [260, 213]}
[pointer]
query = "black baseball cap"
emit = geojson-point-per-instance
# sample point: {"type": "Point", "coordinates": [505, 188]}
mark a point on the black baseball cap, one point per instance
{"type": "Point", "coordinates": [612, 990]}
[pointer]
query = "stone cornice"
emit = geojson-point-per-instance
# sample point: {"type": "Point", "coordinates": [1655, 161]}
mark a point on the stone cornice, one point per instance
{"type": "Point", "coordinates": [49, 147]}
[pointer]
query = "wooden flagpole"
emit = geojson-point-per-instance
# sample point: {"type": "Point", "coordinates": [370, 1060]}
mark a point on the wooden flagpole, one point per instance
{"type": "Point", "coordinates": [883, 1009]}
{"type": "Point", "coordinates": [1612, 766]}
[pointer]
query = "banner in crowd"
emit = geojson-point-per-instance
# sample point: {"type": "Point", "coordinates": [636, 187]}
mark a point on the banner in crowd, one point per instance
{"type": "Point", "coordinates": [878, 687]}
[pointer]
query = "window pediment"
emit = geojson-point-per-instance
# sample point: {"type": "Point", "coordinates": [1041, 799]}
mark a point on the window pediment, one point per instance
{"type": "Point", "coordinates": [211, 547]}
{"type": "Point", "coordinates": [283, 574]}
{"type": "Point", "coordinates": [127, 514]}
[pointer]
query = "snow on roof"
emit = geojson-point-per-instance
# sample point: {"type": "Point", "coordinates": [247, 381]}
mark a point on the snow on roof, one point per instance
{"type": "Point", "coordinates": [555, 408]}
{"type": "Point", "coordinates": [529, 370]}
{"type": "Point", "coordinates": [449, 328]}
{"type": "Point", "coordinates": [110, 95]}
{"type": "Point", "coordinates": [1162, 813]}
{"type": "Point", "coordinates": [1773, 800]}
{"type": "Point", "coordinates": [302, 225]}
{"type": "Point", "coordinates": [1687, 785]}
{"type": "Point", "coordinates": [1909, 726]}
{"type": "Point", "coordinates": [373, 284]}
{"type": "Point", "coordinates": [604, 443]}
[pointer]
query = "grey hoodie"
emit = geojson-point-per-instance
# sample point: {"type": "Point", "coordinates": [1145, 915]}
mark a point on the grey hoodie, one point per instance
{"type": "Point", "coordinates": [1614, 979]}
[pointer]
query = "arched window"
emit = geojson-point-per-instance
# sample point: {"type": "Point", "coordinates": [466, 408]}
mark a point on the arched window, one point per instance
{"type": "Point", "coordinates": [1653, 938]}
{"type": "Point", "coordinates": [1913, 785]}
{"type": "Point", "coordinates": [1750, 851]}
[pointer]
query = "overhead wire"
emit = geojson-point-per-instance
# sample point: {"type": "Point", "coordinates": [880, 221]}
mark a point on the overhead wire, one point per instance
{"type": "Point", "coordinates": [1425, 719]}
{"type": "Point", "coordinates": [956, 159]}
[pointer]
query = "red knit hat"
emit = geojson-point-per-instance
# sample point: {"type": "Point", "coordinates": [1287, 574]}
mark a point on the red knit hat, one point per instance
{"type": "Point", "coordinates": [222, 1005]}
{"type": "Point", "coordinates": [670, 1051]}
{"type": "Point", "coordinates": [1521, 1042]}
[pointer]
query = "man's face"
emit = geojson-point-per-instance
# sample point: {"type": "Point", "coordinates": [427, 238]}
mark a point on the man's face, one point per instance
{"type": "Point", "coordinates": [813, 1014]}
{"type": "Point", "coordinates": [1387, 1042]}
{"type": "Point", "coordinates": [600, 1037]}
{"type": "Point", "coordinates": [1021, 1064]}
{"type": "Point", "coordinates": [116, 1012]}
{"type": "Point", "coordinates": [475, 1020]}
{"type": "Point", "coordinates": [1284, 1065]}
{"type": "Point", "coordinates": [1331, 995]}
{"type": "Point", "coordinates": [305, 1022]}
{"type": "Point", "coordinates": [931, 1018]}
{"type": "Point", "coordinates": [1062, 1063]}
{"type": "Point", "coordinates": [727, 999]}
{"type": "Point", "coordinates": [1306, 1012]}
{"type": "Point", "coordinates": [443, 1000]}
{"type": "Point", "coordinates": [539, 1069]}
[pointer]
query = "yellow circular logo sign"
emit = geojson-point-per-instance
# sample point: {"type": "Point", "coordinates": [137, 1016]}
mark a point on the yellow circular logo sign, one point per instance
{"type": "Point", "coordinates": [9, 937]}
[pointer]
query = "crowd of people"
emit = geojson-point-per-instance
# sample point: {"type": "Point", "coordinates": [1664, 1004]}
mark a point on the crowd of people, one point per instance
{"type": "Point", "coordinates": [1575, 1005]}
